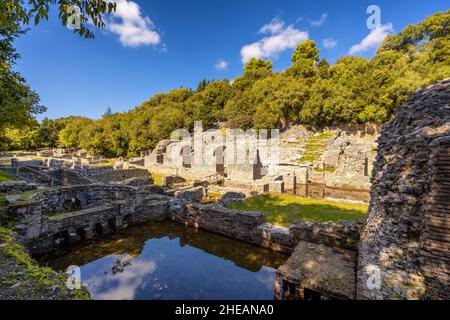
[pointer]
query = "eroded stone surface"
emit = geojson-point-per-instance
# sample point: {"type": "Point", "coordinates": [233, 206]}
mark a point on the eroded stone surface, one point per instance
{"type": "Point", "coordinates": [325, 270]}
{"type": "Point", "coordinates": [406, 235]}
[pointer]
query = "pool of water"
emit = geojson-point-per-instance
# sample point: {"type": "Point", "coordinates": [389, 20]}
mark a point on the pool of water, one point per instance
{"type": "Point", "coordinates": [167, 261]}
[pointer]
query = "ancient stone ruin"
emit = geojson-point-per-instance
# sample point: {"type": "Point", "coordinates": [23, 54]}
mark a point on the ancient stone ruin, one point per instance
{"type": "Point", "coordinates": [399, 252]}
{"type": "Point", "coordinates": [407, 232]}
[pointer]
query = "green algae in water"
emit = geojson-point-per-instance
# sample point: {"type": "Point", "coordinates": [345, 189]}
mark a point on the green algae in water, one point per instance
{"type": "Point", "coordinates": [167, 261]}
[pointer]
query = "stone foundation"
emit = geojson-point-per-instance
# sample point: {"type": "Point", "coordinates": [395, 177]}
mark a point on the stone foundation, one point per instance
{"type": "Point", "coordinates": [72, 214]}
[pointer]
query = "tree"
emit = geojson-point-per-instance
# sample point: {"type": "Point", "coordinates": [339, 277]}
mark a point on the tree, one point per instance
{"type": "Point", "coordinates": [257, 69]}
{"type": "Point", "coordinates": [305, 60]}
{"type": "Point", "coordinates": [352, 90]}
{"type": "Point", "coordinates": [108, 113]}
{"type": "Point", "coordinates": [18, 102]}
{"type": "Point", "coordinates": [433, 27]}
{"type": "Point", "coordinates": [13, 13]}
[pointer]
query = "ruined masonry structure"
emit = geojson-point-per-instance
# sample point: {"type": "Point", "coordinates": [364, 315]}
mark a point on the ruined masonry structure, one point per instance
{"type": "Point", "coordinates": [407, 233]}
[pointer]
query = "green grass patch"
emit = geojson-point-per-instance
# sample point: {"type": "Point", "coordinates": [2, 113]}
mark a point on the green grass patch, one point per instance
{"type": "Point", "coordinates": [315, 146]}
{"type": "Point", "coordinates": [5, 176]}
{"type": "Point", "coordinates": [27, 194]}
{"type": "Point", "coordinates": [106, 163]}
{"type": "Point", "coordinates": [157, 178]}
{"type": "Point", "coordinates": [284, 210]}
{"type": "Point", "coordinates": [3, 202]}
{"type": "Point", "coordinates": [213, 197]}
{"type": "Point", "coordinates": [32, 271]}
{"type": "Point", "coordinates": [325, 169]}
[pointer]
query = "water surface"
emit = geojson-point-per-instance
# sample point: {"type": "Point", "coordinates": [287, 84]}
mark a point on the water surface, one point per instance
{"type": "Point", "coordinates": [171, 261]}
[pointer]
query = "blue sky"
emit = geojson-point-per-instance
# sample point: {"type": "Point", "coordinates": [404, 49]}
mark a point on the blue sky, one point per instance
{"type": "Point", "coordinates": [155, 46]}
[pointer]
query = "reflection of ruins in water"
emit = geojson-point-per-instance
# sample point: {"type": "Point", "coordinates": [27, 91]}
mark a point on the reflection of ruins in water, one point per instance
{"type": "Point", "coordinates": [171, 261]}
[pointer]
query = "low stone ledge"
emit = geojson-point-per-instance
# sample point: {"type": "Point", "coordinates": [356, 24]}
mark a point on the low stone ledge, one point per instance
{"type": "Point", "coordinates": [191, 195]}
{"type": "Point", "coordinates": [342, 234]}
{"type": "Point", "coordinates": [241, 225]}
{"type": "Point", "coordinates": [320, 269]}
{"type": "Point", "coordinates": [275, 238]}
{"type": "Point", "coordinates": [231, 197]}
{"type": "Point", "coordinates": [22, 186]}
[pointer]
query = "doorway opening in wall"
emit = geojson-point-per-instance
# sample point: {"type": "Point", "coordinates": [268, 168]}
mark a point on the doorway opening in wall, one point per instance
{"type": "Point", "coordinates": [82, 234]}
{"type": "Point", "coordinates": [98, 229]}
{"type": "Point", "coordinates": [219, 155]}
{"type": "Point", "coordinates": [187, 157]}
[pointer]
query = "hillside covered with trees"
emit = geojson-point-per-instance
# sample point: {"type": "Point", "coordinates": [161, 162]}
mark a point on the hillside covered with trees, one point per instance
{"type": "Point", "coordinates": [353, 90]}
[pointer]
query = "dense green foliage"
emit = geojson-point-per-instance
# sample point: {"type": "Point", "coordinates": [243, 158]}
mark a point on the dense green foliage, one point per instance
{"type": "Point", "coordinates": [311, 91]}
{"type": "Point", "coordinates": [18, 102]}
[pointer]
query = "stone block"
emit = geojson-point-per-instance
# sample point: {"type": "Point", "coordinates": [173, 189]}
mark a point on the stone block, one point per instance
{"type": "Point", "coordinates": [276, 187]}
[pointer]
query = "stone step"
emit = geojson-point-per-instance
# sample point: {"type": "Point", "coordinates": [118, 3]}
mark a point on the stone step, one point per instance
{"type": "Point", "coordinates": [438, 180]}
{"type": "Point", "coordinates": [438, 259]}
{"type": "Point", "coordinates": [444, 223]}
{"type": "Point", "coordinates": [443, 197]}
{"type": "Point", "coordinates": [439, 231]}
{"type": "Point", "coordinates": [441, 207]}
{"type": "Point", "coordinates": [442, 192]}
{"type": "Point", "coordinates": [436, 246]}
{"type": "Point", "coordinates": [443, 172]}
{"type": "Point", "coordinates": [438, 221]}
{"type": "Point", "coordinates": [431, 268]}
{"type": "Point", "coordinates": [439, 238]}
{"type": "Point", "coordinates": [439, 214]}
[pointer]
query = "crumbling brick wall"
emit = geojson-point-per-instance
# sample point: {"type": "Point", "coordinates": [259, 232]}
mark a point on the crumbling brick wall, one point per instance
{"type": "Point", "coordinates": [405, 240]}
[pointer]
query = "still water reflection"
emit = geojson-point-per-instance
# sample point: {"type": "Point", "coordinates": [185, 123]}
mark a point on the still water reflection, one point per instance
{"type": "Point", "coordinates": [171, 261]}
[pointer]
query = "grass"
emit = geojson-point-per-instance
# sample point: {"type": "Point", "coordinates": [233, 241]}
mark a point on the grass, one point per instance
{"type": "Point", "coordinates": [106, 163]}
{"type": "Point", "coordinates": [315, 146]}
{"type": "Point", "coordinates": [213, 197]}
{"type": "Point", "coordinates": [4, 176]}
{"type": "Point", "coordinates": [30, 270]}
{"type": "Point", "coordinates": [157, 178]}
{"type": "Point", "coordinates": [284, 210]}
{"type": "Point", "coordinates": [13, 249]}
{"type": "Point", "coordinates": [325, 169]}
{"type": "Point", "coordinates": [3, 202]}
{"type": "Point", "coordinates": [27, 194]}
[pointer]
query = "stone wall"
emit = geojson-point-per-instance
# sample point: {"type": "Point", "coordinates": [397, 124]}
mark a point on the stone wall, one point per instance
{"type": "Point", "coordinates": [236, 224]}
{"type": "Point", "coordinates": [11, 186]}
{"type": "Point", "coordinates": [406, 235]}
{"type": "Point", "coordinates": [342, 234]}
{"type": "Point", "coordinates": [69, 215]}
{"type": "Point", "coordinates": [69, 177]}
{"type": "Point", "coordinates": [251, 227]}
{"type": "Point", "coordinates": [86, 196]}
{"type": "Point", "coordinates": [321, 191]}
{"type": "Point", "coordinates": [119, 175]}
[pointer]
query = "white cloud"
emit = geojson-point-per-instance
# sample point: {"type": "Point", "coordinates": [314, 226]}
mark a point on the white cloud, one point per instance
{"type": "Point", "coordinates": [275, 26]}
{"type": "Point", "coordinates": [221, 65]}
{"type": "Point", "coordinates": [329, 43]}
{"type": "Point", "coordinates": [133, 28]}
{"type": "Point", "coordinates": [319, 22]}
{"type": "Point", "coordinates": [281, 39]}
{"type": "Point", "coordinates": [373, 39]}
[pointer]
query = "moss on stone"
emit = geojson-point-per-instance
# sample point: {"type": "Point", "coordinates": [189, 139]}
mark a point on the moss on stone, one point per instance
{"type": "Point", "coordinates": [33, 279]}
{"type": "Point", "coordinates": [5, 176]}
{"type": "Point", "coordinates": [315, 146]}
